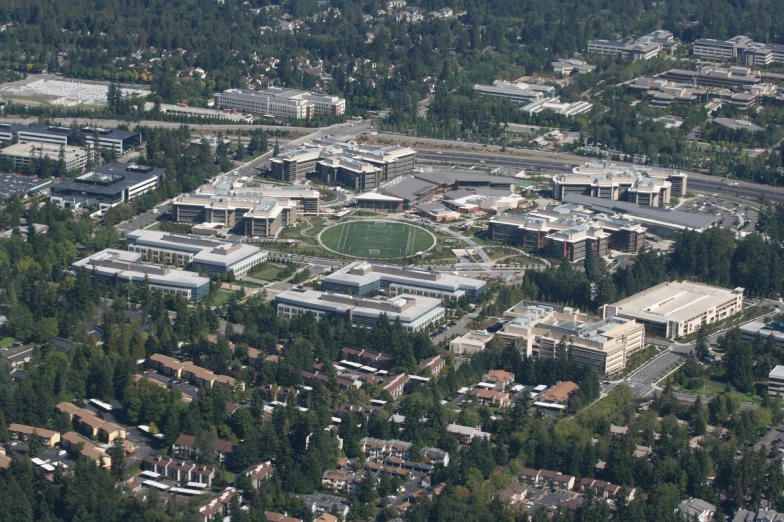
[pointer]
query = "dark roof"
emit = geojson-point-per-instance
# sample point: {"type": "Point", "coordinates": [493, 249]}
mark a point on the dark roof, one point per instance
{"type": "Point", "coordinates": [644, 212]}
{"type": "Point", "coordinates": [109, 179]}
{"type": "Point", "coordinates": [408, 189]}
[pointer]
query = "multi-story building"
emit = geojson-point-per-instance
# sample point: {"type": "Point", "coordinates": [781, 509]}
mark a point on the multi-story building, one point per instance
{"type": "Point", "coordinates": [108, 185]}
{"type": "Point", "coordinates": [24, 433]}
{"type": "Point", "coordinates": [294, 166]}
{"type": "Point", "coordinates": [22, 154]}
{"type": "Point", "coordinates": [676, 309]}
{"type": "Point", "coordinates": [364, 277]}
{"type": "Point", "coordinates": [205, 255]}
{"type": "Point", "coordinates": [539, 330]}
{"type": "Point", "coordinates": [734, 77]}
{"type": "Point", "coordinates": [281, 102]}
{"type": "Point", "coordinates": [644, 187]}
{"type": "Point", "coordinates": [643, 48]}
{"type": "Point", "coordinates": [739, 47]}
{"type": "Point", "coordinates": [776, 382]}
{"type": "Point", "coordinates": [179, 470]}
{"type": "Point", "coordinates": [348, 172]}
{"type": "Point", "coordinates": [380, 449]}
{"type": "Point", "coordinates": [573, 243]}
{"type": "Point", "coordinates": [773, 329]}
{"type": "Point", "coordinates": [218, 507]}
{"type": "Point", "coordinates": [126, 267]}
{"type": "Point", "coordinates": [519, 92]}
{"type": "Point", "coordinates": [46, 134]}
{"type": "Point", "coordinates": [414, 312]}
{"type": "Point", "coordinates": [471, 342]}
{"type": "Point", "coordinates": [119, 141]}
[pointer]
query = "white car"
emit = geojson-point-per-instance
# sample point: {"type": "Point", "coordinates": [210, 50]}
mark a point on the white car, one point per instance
{"type": "Point", "coordinates": [439, 152]}
{"type": "Point", "coordinates": [155, 211]}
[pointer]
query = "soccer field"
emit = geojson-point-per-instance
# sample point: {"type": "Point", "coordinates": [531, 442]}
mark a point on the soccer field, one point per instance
{"type": "Point", "coordinates": [376, 239]}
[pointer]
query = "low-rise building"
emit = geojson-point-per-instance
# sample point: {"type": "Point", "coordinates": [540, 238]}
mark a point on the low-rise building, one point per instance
{"type": "Point", "coordinates": [434, 364]}
{"type": "Point", "coordinates": [560, 393]}
{"type": "Point", "coordinates": [218, 506]}
{"type": "Point", "coordinates": [696, 510]}
{"type": "Point", "coordinates": [414, 312]}
{"type": "Point", "coordinates": [126, 267]}
{"type": "Point", "coordinates": [107, 186]}
{"type": "Point", "coordinates": [341, 481]}
{"type": "Point", "coordinates": [764, 515]}
{"type": "Point", "coordinates": [466, 433]}
{"type": "Point", "coordinates": [395, 385]}
{"type": "Point", "coordinates": [25, 433]}
{"type": "Point", "coordinates": [643, 48]}
{"type": "Point", "coordinates": [512, 494]}
{"type": "Point", "coordinates": [379, 449]}
{"type": "Point", "coordinates": [179, 470]}
{"type": "Point", "coordinates": [281, 102]}
{"type": "Point", "coordinates": [776, 382]}
{"type": "Point", "coordinates": [205, 255]}
{"type": "Point", "coordinates": [21, 155]}
{"type": "Point", "coordinates": [434, 455]}
{"type": "Point", "coordinates": [471, 343]}
{"type": "Point", "coordinates": [765, 330]}
{"type": "Point", "coordinates": [364, 277]}
{"type": "Point", "coordinates": [259, 473]}
{"type": "Point", "coordinates": [118, 141]}
{"type": "Point", "coordinates": [676, 309]}
{"type": "Point", "coordinates": [185, 447]}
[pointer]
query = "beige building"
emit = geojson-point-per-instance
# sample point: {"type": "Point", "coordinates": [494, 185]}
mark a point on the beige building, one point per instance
{"type": "Point", "coordinates": [538, 330]}
{"type": "Point", "coordinates": [471, 343]}
{"type": "Point", "coordinates": [21, 154]}
{"type": "Point", "coordinates": [24, 433]}
{"type": "Point", "coordinates": [678, 308]}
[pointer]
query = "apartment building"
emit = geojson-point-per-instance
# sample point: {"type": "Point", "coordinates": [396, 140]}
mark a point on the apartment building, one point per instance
{"type": "Point", "coordinates": [189, 371]}
{"type": "Point", "coordinates": [414, 312]}
{"type": "Point", "coordinates": [381, 449]}
{"type": "Point", "coordinates": [23, 433]}
{"type": "Point", "coordinates": [126, 267]}
{"type": "Point", "coordinates": [676, 309]}
{"type": "Point", "coordinates": [363, 277]}
{"type": "Point", "coordinates": [281, 102]}
{"type": "Point", "coordinates": [466, 433]}
{"type": "Point", "coordinates": [179, 470]}
{"type": "Point", "coordinates": [185, 447]}
{"type": "Point", "coordinates": [344, 482]}
{"type": "Point", "coordinates": [395, 385]}
{"type": "Point", "coordinates": [21, 155]}
{"type": "Point", "coordinates": [90, 451]}
{"type": "Point", "coordinates": [218, 507]}
{"type": "Point", "coordinates": [205, 255]}
{"type": "Point", "coordinates": [377, 360]}
{"type": "Point", "coordinates": [259, 473]}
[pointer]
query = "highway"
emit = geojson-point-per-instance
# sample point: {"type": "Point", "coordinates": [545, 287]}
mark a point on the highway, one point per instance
{"type": "Point", "coordinates": [557, 162]}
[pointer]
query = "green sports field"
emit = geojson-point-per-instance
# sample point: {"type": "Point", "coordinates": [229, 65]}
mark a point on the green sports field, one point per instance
{"type": "Point", "coordinates": [376, 239]}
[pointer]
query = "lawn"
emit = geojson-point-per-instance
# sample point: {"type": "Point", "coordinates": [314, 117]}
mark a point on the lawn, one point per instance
{"type": "Point", "coordinates": [221, 298]}
{"type": "Point", "coordinates": [154, 226]}
{"type": "Point", "coordinates": [377, 239]}
{"type": "Point", "coordinates": [267, 272]}
{"type": "Point", "coordinates": [713, 388]}
{"type": "Point", "coordinates": [6, 342]}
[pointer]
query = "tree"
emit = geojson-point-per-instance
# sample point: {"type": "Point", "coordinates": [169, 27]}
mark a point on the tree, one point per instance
{"type": "Point", "coordinates": [35, 446]}
{"type": "Point", "coordinates": [117, 454]}
{"type": "Point", "coordinates": [240, 149]}
{"type": "Point", "coordinates": [276, 150]}
{"type": "Point", "coordinates": [701, 350]}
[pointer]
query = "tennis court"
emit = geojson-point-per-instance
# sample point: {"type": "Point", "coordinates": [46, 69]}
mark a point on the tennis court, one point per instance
{"type": "Point", "coordinates": [377, 239]}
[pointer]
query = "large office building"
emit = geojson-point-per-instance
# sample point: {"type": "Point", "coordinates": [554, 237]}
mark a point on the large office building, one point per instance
{"type": "Point", "coordinates": [365, 277]}
{"type": "Point", "coordinates": [126, 267]}
{"type": "Point", "coordinates": [22, 154]}
{"type": "Point", "coordinates": [730, 78]}
{"type": "Point", "coordinates": [357, 166]}
{"type": "Point", "coordinates": [739, 47]}
{"type": "Point", "coordinates": [281, 102]}
{"type": "Point", "coordinates": [119, 141]}
{"type": "Point", "coordinates": [776, 382]}
{"type": "Point", "coordinates": [8, 131]}
{"type": "Point", "coordinates": [643, 48]}
{"type": "Point", "coordinates": [639, 185]}
{"type": "Point", "coordinates": [567, 232]}
{"type": "Point", "coordinates": [764, 330]}
{"type": "Point", "coordinates": [519, 92]}
{"type": "Point", "coordinates": [206, 255]}
{"type": "Point", "coordinates": [46, 134]}
{"type": "Point", "coordinates": [108, 185]}
{"type": "Point", "coordinates": [676, 309]}
{"type": "Point", "coordinates": [414, 312]}
{"type": "Point", "coordinates": [539, 330]}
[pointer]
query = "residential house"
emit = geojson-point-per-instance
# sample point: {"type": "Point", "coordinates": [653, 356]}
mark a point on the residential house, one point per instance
{"type": "Point", "coordinates": [277, 517]}
{"type": "Point", "coordinates": [466, 433]}
{"type": "Point", "coordinates": [618, 430]}
{"type": "Point", "coordinates": [435, 364]}
{"type": "Point", "coordinates": [218, 506]}
{"type": "Point", "coordinates": [341, 481]}
{"type": "Point", "coordinates": [492, 397]}
{"type": "Point", "coordinates": [435, 455]}
{"type": "Point", "coordinates": [696, 510]}
{"type": "Point", "coordinates": [259, 473]}
{"type": "Point", "coordinates": [512, 494]}
{"type": "Point", "coordinates": [24, 433]}
{"type": "Point", "coordinates": [560, 392]}
{"type": "Point", "coordinates": [395, 385]}
{"type": "Point", "coordinates": [500, 378]}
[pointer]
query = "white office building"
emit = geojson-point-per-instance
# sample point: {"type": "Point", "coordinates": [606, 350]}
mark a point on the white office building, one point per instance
{"type": "Point", "coordinates": [281, 102]}
{"type": "Point", "coordinates": [21, 154]}
{"type": "Point", "coordinates": [414, 312]}
{"type": "Point", "coordinates": [204, 254]}
{"type": "Point", "coordinates": [776, 382]}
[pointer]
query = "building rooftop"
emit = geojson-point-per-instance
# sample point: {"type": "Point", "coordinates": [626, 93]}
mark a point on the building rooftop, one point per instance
{"type": "Point", "coordinates": [111, 179]}
{"type": "Point", "coordinates": [127, 265]}
{"type": "Point", "coordinates": [364, 272]}
{"type": "Point", "coordinates": [14, 184]}
{"type": "Point", "coordinates": [204, 249]}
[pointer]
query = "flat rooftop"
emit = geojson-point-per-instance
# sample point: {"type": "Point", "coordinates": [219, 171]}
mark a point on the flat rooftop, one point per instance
{"type": "Point", "coordinates": [643, 213]}
{"type": "Point", "coordinates": [675, 301]}
{"type": "Point", "coordinates": [111, 179]}
{"type": "Point", "coordinates": [205, 250]}
{"type": "Point", "coordinates": [364, 272]}
{"type": "Point", "coordinates": [14, 184]}
{"type": "Point", "coordinates": [405, 306]}
{"type": "Point", "coordinates": [126, 265]}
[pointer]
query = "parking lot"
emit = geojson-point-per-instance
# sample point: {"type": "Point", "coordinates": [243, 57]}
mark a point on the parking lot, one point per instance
{"type": "Point", "coordinates": [185, 388]}
{"type": "Point", "coordinates": [732, 213]}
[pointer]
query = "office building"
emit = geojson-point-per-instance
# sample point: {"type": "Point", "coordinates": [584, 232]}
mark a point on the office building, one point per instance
{"type": "Point", "coordinates": [567, 232]}
{"type": "Point", "coordinates": [119, 141]}
{"type": "Point", "coordinates": [567, 67]}
{"type": "Point", "coordinates": [664, 222]}
{"type": "Point", "coordinates": [539, 330]}
{"type": "Point", "coordinates": [364, 277]}
{"type": "Point", "coordinates": [108, 185]}
{"type": "Point", "coordinates": [126, 267]}
{"type": "Point", "coordinates": [205, 255]}
{"type": "Point", "coordinates": [560, 108]}
{"type": "Point", "coordinates": [776, 382]}
{"type": "Point", "coordinates": [21, 154]}
{"type": "Point", "coordinates": [734, 77]}
{"type": "Point", "coordinates": [248, 214]}
{"type": "Point", "coordinates": [8, 131]}
{"type": "Point", "coordinates": [470, 343]}
{"type": "Point", "coordinates": [739, 47]}
{"type": "Point", "coordinates": [753, 329]}
{"type": "Point", "coordinates": [346, 171]}
{"type": "Point", "coordinates": [519, 92]}
{"type": "Point", "coordinates": [643, 48]}
{"type": "Point", "coordinates": [294, 166]}
{"type": "Point", "coordinates": [281, 102]}
{"type": "Point", "coordinates": [676, 309]}
{"type": "Point", "coordinates": [46, 134]}
{"type": "Point", "coordinates": [414, 312]}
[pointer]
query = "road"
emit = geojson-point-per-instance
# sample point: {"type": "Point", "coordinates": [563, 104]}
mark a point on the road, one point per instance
{"type": "Point", "coordinates": [559, 162]}
{"type": "Point", "coordinates": [644, 379]}
{"type": "Point", "coordinates": [144, 219]}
